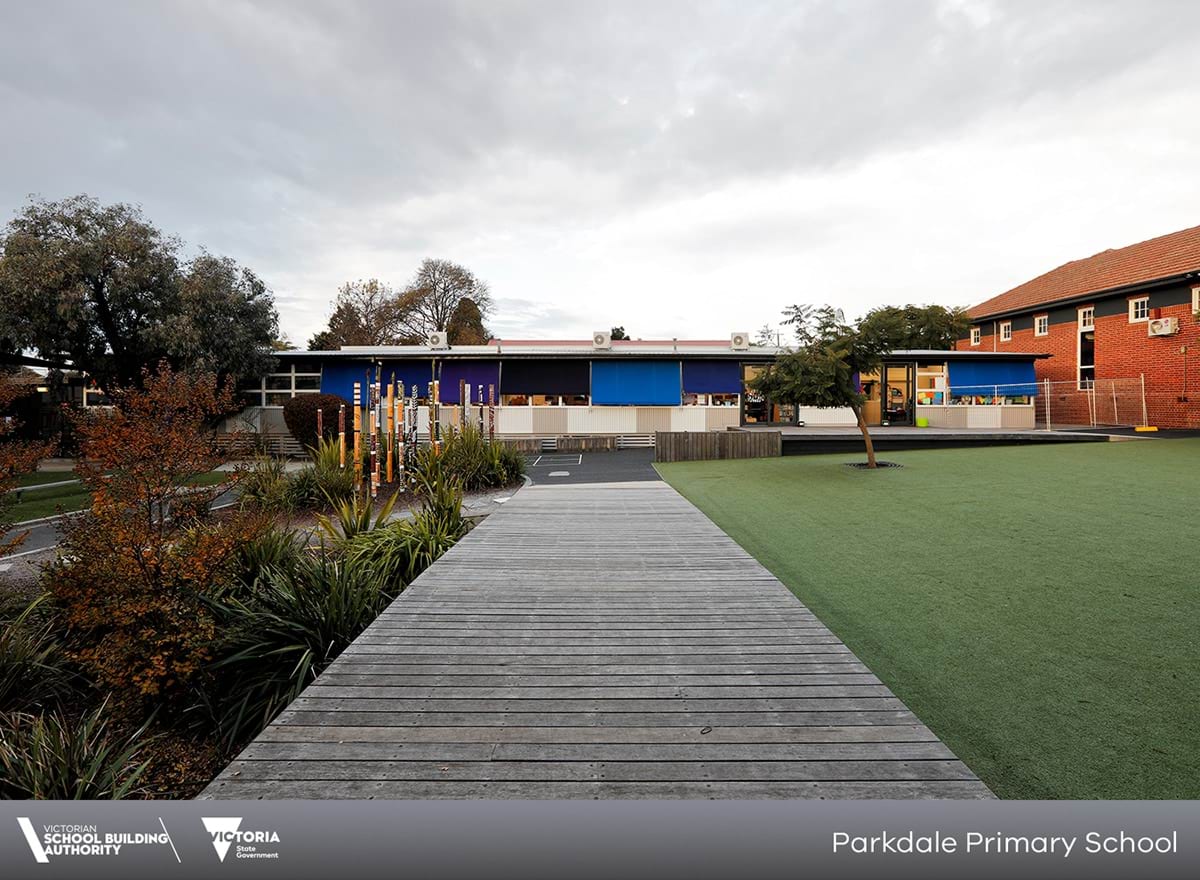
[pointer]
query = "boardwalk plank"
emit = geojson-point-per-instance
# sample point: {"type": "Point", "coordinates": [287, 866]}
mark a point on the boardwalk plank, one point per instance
{"type": "Point", "coordinates": [597, 642]}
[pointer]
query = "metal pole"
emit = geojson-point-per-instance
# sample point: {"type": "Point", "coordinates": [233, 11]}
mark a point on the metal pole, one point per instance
{"type": "Point", "coordinates": [1047, 381]}
{"type": "Point", "coordinates": [1145, 417]}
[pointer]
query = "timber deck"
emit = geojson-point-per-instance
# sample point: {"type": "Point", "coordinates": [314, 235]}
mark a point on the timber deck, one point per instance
{"type": "Point", "coordinates": [597, 641]}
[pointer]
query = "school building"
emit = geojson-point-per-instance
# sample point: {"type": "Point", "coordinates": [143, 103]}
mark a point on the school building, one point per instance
{"type": "Point", "coordinates": [1121, 329]}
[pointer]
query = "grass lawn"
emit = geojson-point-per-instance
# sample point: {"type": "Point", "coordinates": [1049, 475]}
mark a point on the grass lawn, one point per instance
{"type": "Point", "coordinates": [48, 502]}
{"type": "Point", "coordinates": [1037, 607]}
{"type": "Point", "coordinates": [40, 478]}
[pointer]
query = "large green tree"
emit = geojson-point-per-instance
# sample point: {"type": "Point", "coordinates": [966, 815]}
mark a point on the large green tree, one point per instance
{"type": "Point", "coordinates": [466, 324]}
{"type": "Point", "coordinates": [917, 327]}
{"type": "Point", "coordinates": [823, 368]}
{"type": "Point", "coordinates": [101, 289]}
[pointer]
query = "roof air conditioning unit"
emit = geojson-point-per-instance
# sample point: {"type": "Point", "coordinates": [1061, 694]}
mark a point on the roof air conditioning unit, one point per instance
{"type": "Point", "coordinates": [1162, 326]}
{"type": "Point", "coordinates": [602, 339]}
{"type": "Point", "coordinates": [739, 341]}
{"type": "Point", "coordinates": [438, 339]}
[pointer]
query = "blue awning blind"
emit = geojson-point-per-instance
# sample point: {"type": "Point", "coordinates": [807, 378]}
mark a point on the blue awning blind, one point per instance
{"type": "Point", "coordinates": [338, 377]}
{"type": "Point", "coordinates": [712, 377]}
{"type": "Point", "coordinates": [992, 377]}
{"type": "Point", "coordinates": [636, 383]}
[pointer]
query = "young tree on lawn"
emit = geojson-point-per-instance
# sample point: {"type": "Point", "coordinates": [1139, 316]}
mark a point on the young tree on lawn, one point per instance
{"type": "Point", "coordinates": [99, 288]}
{"type": "Point", "coordinates": [132, 573]}
{"type": "Point", "coordinates": [430, 299]}
{"type": "Point", "coordinates": [824, 367]}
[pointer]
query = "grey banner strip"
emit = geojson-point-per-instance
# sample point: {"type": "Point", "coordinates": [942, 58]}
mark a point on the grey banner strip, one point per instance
{"type": "Point", "coordinates": [598, 839]}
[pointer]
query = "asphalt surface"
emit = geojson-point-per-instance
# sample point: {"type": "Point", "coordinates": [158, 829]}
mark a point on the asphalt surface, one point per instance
{"type": "Point", "coordinates": [622, 466]}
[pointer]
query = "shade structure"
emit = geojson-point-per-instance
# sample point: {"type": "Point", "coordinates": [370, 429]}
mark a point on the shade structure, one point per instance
{"type": "Point", "coordinates": [476, 373]}
{"type": "Point", "coordinates": [338, 377]}
{"type": "Point", "coordinates": [993, 377]}
{"type": "Point", "coordinates": [712, 377]}
{"type": "Point", "coordinates": [409, 373]}
{"type": "Point", "coordinates": [636, 383]}
{"type": "Point", "coordinates": [547, 376]}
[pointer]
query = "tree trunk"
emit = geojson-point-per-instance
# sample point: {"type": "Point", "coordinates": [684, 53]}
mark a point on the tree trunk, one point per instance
{"type": "Point", "coordinates": [862, 426]}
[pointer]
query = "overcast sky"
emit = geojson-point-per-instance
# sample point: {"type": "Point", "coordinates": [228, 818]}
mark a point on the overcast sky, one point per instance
{"type": "Point", "coordinates": [683, 169]}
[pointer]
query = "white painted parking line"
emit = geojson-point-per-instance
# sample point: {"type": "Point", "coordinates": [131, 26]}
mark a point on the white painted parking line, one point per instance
{"type": "Point", "coordinates": [560, 473]}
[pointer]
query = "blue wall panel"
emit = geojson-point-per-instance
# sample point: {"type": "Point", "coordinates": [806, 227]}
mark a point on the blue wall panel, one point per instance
{"type": "Point", "coordinates": [712, 377]}
{"type": "Point", "coordinates": [410, 373]}
{"type": "Point", "coordinates": [476, 373]}
{"type": "Point", "coordinates": [983, 377]}
{"type": "Point", "coordinates": [636, 383]}
{"type": "Point", "coordinates": [338, 377]}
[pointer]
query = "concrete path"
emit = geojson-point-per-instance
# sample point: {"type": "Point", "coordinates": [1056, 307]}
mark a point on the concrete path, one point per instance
{"type": "Point", "coordinates": [597, 641]}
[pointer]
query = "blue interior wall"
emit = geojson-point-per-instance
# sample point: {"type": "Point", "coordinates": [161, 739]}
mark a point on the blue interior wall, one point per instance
{"type": "Point", "coordinates": [636, 383]}
{"type": "Point", "coordinates": [1016, 377]}
{"type": "Point", "coordinates": [712, 377]}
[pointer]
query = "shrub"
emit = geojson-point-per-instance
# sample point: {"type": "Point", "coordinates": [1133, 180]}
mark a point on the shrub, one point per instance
{"type": "Point", "coordinates": [128, 580]}
{"type": "Point", "coordinates": [302, 490]}
{"type": "Point", "coordinates": [272, 549]}
{"type": "Point", "coordinates": [336, 483]}
{"type": "Point", "coordinates": [264, 483]}
{"type": "Point", "coordinates": [300, 415]}
{"type": "Point", "coordinates": [355, 516]}
{"type": "Point", "coordinates": [471, 460]}
{"type": "Point", "coordinates": [34, 670]}
{"type": "Point", "coordinates": [279, 638]}
{"type": "Point", "coordinates": [48, 756]}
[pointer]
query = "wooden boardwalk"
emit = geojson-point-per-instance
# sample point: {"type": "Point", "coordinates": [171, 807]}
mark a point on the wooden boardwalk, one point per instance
{"type": "Point", "coordinates": [597, 641]}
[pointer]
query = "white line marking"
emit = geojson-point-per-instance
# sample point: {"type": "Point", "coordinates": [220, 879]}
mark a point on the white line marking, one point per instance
{"type": "Point", "coordinates": [560, 473]}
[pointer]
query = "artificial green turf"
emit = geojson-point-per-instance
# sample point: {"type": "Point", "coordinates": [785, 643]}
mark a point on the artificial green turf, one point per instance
{"type": "Point", "coordinates": [1037, 607]}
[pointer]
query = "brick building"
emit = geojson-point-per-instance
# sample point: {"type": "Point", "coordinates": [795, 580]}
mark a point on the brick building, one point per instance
{"type": "Point", "coordinates": [1110, 323]}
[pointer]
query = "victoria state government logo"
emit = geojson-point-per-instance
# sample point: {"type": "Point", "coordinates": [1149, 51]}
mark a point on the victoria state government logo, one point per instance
{"type": "Point", "coordinates": [226, 833]}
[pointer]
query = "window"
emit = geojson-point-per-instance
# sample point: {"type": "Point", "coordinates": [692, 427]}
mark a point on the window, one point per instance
{"type": "Point", "coordinates": [1196, 299]}
{"type": "Point", "coordinates": [1041, 325]}
{"type": "Point", "coordinates": [1006, 331]}
{"type": "Point", "coordinates": [1087, 318]}
{"type": "Point", "coordinates": [278, 388]}
{"type": "Point", "coordinates": [974, 335]}
{"type": "Point", "coordinates": [1139, 309]}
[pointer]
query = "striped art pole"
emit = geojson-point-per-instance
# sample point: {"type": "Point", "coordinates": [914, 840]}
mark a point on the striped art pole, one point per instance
{"type": "Point", "coordinates": [491, 413]}
{"type": "Point", "coordinates": [320, 426]}
{"type": "Point", "coordinates": [357, 432]}
{"type": "Point", "coordinates": [481, 410]}
{"type": "Point", "coordinates": [390, 431]}
{"type": "Point", "coordinates": [374, 411]}
{"type": "Point", "coordinates": [464, 399]}
{"type": "Point", "coordinates": [342, 436]}
{"type": "Point", "coordinates": [436, 432]}
{"type": "Point", "coordinates": [413, 426]}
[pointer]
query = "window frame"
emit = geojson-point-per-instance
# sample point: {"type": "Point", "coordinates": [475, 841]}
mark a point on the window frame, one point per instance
{"type": "Point", "coordinates": [1196, 300]}
{"type": "Point", "coordinates": [257, 395]}
{"type": "Point", "coordinates": [1041, 325]}
{"type": "Point", "coordinates": [976, 335]}
{"type": "Point", "coordinates": [1133, 309]}
{"type": "Point", "coordinates": [1006, 331]}
{"type": "Point", "coordinates": [1090, 312]}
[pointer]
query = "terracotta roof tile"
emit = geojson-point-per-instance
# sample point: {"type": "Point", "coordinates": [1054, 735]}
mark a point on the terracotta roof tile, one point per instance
{"type": "Point", "coordinates": [1160, 257]}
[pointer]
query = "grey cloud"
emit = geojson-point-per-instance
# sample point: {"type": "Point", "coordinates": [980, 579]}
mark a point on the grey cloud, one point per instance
{"type": "Point", "coordinates": [288, 132]}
